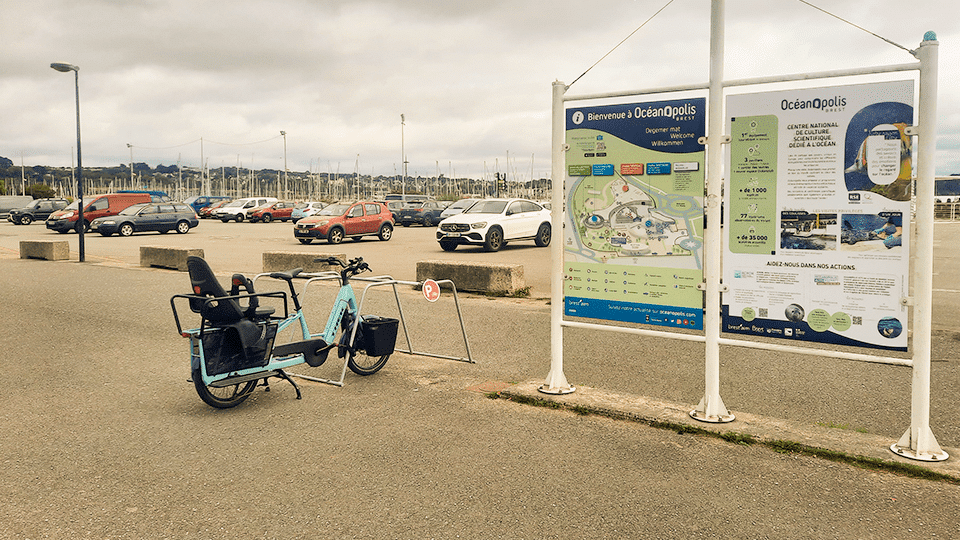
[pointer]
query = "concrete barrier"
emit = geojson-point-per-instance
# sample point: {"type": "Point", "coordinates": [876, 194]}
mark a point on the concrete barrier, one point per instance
{"type": "Point", "coordinates": [167, 256]}
{"type": "Point", "coordinates": [478, 277]}
{"type": "Point", "coordinates": [281, 261]}
{"type": "Point", "coordinates": [51, 250]}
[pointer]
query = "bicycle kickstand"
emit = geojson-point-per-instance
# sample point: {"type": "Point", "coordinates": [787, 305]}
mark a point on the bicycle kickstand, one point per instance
{"type": "Point", "coordinates": [283, 375]}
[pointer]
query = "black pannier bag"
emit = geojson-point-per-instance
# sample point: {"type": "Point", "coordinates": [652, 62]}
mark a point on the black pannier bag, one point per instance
{"type": "Point", "coordinates": [244, 344]}
{"type": "Point", "coordinates": [377, 335]}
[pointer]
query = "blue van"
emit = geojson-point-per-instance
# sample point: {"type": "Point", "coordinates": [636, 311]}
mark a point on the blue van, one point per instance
{"type": "Point", "coordinates": [203, 201]}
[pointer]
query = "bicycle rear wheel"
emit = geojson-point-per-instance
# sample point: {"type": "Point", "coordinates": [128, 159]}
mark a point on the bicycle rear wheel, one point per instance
{"type": "Point", "coordinates": [362, 364]}
{"type": "Point", "coordinates": [222, 397]}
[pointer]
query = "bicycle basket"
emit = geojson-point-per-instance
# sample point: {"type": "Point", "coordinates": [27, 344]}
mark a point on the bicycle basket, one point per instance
{"type": "Point", "coordinates": [377, 335]}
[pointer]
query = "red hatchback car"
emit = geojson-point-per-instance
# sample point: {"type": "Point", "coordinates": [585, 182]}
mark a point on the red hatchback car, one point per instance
{"type": "Point", "coordinates": [280, 211]}
{"type": "Point", "coordinates": [342, 220]}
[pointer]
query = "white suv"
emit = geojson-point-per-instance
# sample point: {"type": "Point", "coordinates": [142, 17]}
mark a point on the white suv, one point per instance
{"type": "Point", "coordinates": [492, 223]}
{"type": "Point", "coordinates": [238, 209]}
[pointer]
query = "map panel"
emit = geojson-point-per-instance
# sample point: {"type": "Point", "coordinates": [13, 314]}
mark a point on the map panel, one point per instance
{"type": "Point", "coordinates": [633, 237]}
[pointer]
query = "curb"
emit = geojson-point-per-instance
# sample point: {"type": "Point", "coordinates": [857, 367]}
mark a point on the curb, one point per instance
{"type": "Point", "coordinates": [861, 449]}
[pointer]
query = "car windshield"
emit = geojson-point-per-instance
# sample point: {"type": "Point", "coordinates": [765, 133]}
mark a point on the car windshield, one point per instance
{"type": "Point", "coordinates": [75, 205]}
{"type": "Point", "coordinates": [235, 203]}
{"type": "Point", "coordinates": [334, 210]}
{"type": "Point", "coordinates": [132, 210]}
{"type": "Point", "coordinates": [487, 207]}
{"type": "Point", "coordinates": [465, 203]}
{"type": "Point", "coordinates": [33, 204]}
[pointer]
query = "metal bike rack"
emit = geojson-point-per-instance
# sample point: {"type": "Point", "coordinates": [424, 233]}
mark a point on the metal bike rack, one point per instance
{"type": "Point", "coordinates": [382, 281]}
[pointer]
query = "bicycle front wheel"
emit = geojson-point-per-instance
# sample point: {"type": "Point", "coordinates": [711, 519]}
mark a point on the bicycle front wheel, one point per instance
{"type": "Point", "coordinates": [363, 364]}
{"type": "Point", "coordinates": [223, 397]}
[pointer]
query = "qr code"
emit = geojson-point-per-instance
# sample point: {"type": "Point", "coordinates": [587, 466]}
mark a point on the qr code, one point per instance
{"type": "Point", "coordinates": [763, 313]}
{"type": "Point", "coordinates": [857, 320]}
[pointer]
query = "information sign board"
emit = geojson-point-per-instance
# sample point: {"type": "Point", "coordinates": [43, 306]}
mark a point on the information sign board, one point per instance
{"type": "Point", "coordinates": [817, 214]}
{"type": "Point", "coordinates": [633, 234]}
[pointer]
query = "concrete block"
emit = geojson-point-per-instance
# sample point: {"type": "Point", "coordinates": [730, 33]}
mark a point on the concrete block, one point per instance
{"type": "Point", "coordinates": [51, 250]}
{"type": "Point", "coordinates": [167, 256]}
{"type": "Point", "coordinates": [281, 261]}
{"type": "Point", "coordinates": [474, 276]}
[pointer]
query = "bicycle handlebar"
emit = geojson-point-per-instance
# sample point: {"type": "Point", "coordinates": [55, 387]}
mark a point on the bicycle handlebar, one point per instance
{"type": "Point", "coordinates": [351, 268]}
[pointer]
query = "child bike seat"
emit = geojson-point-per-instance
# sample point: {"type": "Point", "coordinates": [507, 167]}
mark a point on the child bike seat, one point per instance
{"type": "Point", "coordinates": [224, 312]}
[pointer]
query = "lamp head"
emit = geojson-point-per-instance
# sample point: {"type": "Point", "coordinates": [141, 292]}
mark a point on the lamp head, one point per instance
{"type": "Point", "coordinates": [64, 67]}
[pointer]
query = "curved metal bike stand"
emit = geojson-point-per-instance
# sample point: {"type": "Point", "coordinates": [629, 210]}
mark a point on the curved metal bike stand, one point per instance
{"type": "Point", "coordinates": [382, 281]}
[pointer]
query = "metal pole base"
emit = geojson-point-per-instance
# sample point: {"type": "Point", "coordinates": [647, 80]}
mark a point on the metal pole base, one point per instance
{"type": "Point", "coordinates": [557, 390]}
{"type": "Point", "coordinates": [912, 454]}
{"type": "Point", "coordinates": [719, 419]}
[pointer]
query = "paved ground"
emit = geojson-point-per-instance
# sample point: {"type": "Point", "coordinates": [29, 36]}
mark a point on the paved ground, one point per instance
{"type": "Point", "coordinates": [103, 436]}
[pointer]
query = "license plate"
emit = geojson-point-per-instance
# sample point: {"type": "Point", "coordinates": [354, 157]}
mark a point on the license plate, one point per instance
{"type": "Point", "coordinates": [452, 234]}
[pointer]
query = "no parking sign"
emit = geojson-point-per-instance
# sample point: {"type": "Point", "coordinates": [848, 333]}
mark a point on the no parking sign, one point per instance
{"type": "Point", "coordinates": [431, 291]}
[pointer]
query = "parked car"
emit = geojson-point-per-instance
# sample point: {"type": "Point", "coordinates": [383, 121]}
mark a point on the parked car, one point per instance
{"type": "Point", "coordinates": [237, 210]}
{"type": "Point", "coordinates": [304, 209]}
{"type": "Point", "coordinates": [278, 211]}
{"type": "Point", "coordinates": [11, 202]}
{"type": "Point", "coordinates": [155, 196]}
{"type": "Point", "coordinates": [63, 221]}
{"type": "Point", "coordinates": [457, 207]}
{"type": "Point", "coordinates": [342, 220]}
{"type": "Point", "coordinates": [405, 198]}
{"type": "Point", "coordinates": [38, 210]}
{"type": "Point", "coordinates": [160, 217]}
{"type": "Point", "coordinates": [426, 213]}
{"type": "Point", "coordinates": [492, 223]}
{"type": "Point", "coordinates": [395, 206]}
{"type": "Point", "coordinates": [199, 202]}
{"type": "Point", "coordinates": [207, 211]}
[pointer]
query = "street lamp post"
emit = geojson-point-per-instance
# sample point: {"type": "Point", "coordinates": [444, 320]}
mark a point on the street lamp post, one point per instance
{"type": "Point", "coordinates": [130, 146]}
{"type": "Point", "coordinates": [63, 68]}
{"type": "Point", "coordinates": [284, 133]}
{"type": "Point", "coordinates": [403, 162]}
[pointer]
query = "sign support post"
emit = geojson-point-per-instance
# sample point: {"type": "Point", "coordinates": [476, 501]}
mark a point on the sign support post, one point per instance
{"type": "Point", "coordinates": [556, 382]}
{"type": "Point", "coordinates": [711, 408]}
{"type": "Point", "coordinates": [918, 442]}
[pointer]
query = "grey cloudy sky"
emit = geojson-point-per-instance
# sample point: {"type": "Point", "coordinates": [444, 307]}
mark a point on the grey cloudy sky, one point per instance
{"type": "Point", "coordinates": [473, 79]}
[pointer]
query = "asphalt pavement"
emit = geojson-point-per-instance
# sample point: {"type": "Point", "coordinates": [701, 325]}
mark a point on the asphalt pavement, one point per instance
{"type": "Point", "coordinates": [104, 437]}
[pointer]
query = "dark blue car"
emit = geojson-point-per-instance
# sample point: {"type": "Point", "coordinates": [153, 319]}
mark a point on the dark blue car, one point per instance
{"type": "Point", "coordinates": [160, 217]}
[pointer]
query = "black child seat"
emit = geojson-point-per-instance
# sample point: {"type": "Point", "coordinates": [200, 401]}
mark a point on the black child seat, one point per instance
{"type": "Point", "coordinates": [237, 337]}
{"type": "Point", "coordinates": [204, 283]}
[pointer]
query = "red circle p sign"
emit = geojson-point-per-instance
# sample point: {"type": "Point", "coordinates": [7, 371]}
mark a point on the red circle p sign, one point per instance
{"type": "Point", "coordinates": [431, 291]}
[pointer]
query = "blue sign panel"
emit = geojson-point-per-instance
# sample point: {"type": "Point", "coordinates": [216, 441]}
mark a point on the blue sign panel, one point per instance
{"type": "Point", "coordinates": [658, 168]}
{"type": "Point", "coordinates": [603, 169]}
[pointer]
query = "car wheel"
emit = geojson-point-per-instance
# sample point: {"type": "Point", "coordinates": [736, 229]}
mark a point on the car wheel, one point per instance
{"type": "Point", "coordinates": [126, 229]}
{"type": "Point", "coordinates": [239, 218]}
{"type": "Point", "coordinates": [105, 234]}
{"type": "Point", "coordinates": [305, 241]}
{"type": "Point", "coordinates": [406, 223]}
{"type": "Point", "coordinates": [25, 220]}
{"type": "Point", "coordinates": [543, 235]}
{"type": "Point", "coordinates": [335, 236]}
{"type": "Point", "coordinates": [494, 239]}
{"type": "Point", "coordinates": [224, 219]}
{"type": "Point", "coordinates": [183, 227]}
{"type": "Point", "coordinates": [448, 245]}
{"type": "Point", "coordinates": [163, 231]}
{"type": "Point", "coordinates": [267, 218]}
{"type": "Point", "coordinates": [386, 232]}
{"type": "Point", "coordinates": [85, 225]}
